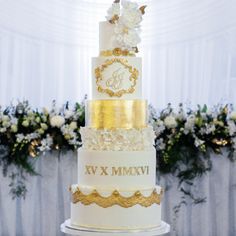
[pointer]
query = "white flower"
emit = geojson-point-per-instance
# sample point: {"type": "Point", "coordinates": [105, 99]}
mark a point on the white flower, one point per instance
{"type": "Point", "coordinates": [170, 122]}
{"type": "Point", "coordinates": [38, 120]}
{"type": "Point", "coordinates": [160, 145]}
{"type": "Point", "coordinates": [131, 18]}
{"type": "Point", "coordinates": [57, 121]}
{"type": "Point", "coordinates": [25, 123]}
{"type": "Point", "coordinates": [232, 128]}
{"type": "Point", "coordinates": [198, 142]}
{"type": "Point", "coordinates": [68, 114]}
{"type": "Point", "coordinates": [113, 10]}
{"type": "Point", "coordinates": [233, 115]}
{"type": "Point", "coordinates": [46, 144]}
{"type": "Point", "coordinates": [5, 118]}
{"type": "Point", "coordinates": [14, 128]}
{"type": "Point", "coordinates": [44, 126]}
{"type": "Point", "coordinates": [20, 138]}
{"type": "Point", "coordinates": [3, 130]}
{"type": "Point", "coordinates": [40, 131]}
{"type": "Point", "coordinates": [131, 39]}
{"type": "Point", "coordinates": [189, 124]}
{"type": "Point", "coordinates": [6, 124]}
{"type": "Point", "coordinates": [158, 127]}
{"type": "Point", "coordinates": [73, 125]}
{"type": "Point", "coordinates": [129, 5]}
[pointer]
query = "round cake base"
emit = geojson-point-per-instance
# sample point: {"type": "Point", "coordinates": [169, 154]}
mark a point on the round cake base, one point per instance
{"type": "Point", "coordinates": [67, 228]}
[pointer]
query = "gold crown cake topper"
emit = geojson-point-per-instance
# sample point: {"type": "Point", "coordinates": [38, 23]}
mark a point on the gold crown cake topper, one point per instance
{"type": "Point", "coordinates": [126, 16]}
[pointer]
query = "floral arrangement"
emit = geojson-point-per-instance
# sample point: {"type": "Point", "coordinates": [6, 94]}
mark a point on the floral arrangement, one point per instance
{"type": "Point", "coordinates": [183, 138]}
{"type": "Point", "coordinates": [26, 133]}
{"type": "Point", "coordinates": [183, 134]}
{"type": "Point", "coordinates": [127, 24]}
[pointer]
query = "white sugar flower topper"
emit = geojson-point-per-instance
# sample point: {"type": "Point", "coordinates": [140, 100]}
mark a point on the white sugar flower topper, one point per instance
{"type": "Point", "coordinates": [127, 23]}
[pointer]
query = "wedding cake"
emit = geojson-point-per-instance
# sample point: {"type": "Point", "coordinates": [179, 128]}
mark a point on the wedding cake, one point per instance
{"type": "Point", "coordinates": [117, 162]}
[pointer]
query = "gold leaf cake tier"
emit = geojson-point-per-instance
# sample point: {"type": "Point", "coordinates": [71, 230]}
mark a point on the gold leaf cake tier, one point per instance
{"type": "Point", "coordinates": [112, 114]}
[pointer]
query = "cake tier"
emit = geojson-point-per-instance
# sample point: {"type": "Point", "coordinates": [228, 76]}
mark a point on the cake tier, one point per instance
{"type": "Point", "coordinates": [106, 32]}
{"type": "Point", "coordinates": [112, 114]}
{"type": "Point", "coordinates": [121, 210]}
{"type": "Point", "coordinates": [117, 139]}
{"type": "Point", "coordinates": [117, 169]}
{"type": "Point", "coordinates": [116, 77]}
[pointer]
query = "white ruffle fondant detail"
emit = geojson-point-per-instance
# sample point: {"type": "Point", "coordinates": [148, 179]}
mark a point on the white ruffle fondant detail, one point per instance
{"type": "Point", "coordinates": [118, 139]}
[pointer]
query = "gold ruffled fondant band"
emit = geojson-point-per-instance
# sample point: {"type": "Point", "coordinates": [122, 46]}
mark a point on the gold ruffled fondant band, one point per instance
{"type": "Point", "coordinates": [117, 199]}
{"type": "Point", "coordinates": [117, 52]}
{"type": "Point", "coordinates": [112, 114]}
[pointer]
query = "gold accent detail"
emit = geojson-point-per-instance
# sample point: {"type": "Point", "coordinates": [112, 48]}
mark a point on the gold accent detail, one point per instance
{"type": "Point", "coordinates": [220, 142]}
{"type": "Point", "coordinates": [117, 199]}
{"type": "Point", "coordinates": [134, 73]}
{"type": "Point", "coordinates": [114, 19]}
{"type": "Point", "coordinates": [142, 9]}
{"type": "Point", "coordinates": [117, 52]}
{"type": "Point", "coordinates": [112, 114]}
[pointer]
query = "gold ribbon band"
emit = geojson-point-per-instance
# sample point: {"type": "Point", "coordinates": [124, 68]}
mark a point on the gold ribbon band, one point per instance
{"type": "Point", "coordinates": [117, 199]}
{"type": "Point", "coordinates": [112, 114]}
{"type": "Point", "coordinates": [117, 52]}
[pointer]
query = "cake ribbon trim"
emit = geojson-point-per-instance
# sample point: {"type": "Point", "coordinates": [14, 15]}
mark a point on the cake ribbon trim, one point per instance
{"type": "Point", "coordinates": [116, 199]}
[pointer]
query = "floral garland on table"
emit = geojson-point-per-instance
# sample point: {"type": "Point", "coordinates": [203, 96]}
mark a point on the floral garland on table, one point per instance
{"type": "Point", "coordinates": [181, 135]}
{"type": "Point", "coordinates": [184, 138]}
{"type": "Point", "coordinates": [26, 133]}
{"type": "Point", "coordinates": [127, 24]}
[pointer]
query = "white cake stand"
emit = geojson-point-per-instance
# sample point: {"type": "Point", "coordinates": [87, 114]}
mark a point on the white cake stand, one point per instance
{"type": "Point", "coordinates": [67, 228]}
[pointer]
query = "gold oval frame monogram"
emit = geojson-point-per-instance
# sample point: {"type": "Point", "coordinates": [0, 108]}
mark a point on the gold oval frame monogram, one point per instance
{"type": "Point", "coordinates": [134, 73]}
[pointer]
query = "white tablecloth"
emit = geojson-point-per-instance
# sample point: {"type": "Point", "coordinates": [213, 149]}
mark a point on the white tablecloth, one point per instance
{"type": "Point", "coordinates": [47, 204]}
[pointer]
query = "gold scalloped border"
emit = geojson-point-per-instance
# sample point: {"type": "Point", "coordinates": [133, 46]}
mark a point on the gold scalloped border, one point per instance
{"type": "Point", "coordinates": [117, 199]}
{"type": "Point", "coordinates": [134, 73]}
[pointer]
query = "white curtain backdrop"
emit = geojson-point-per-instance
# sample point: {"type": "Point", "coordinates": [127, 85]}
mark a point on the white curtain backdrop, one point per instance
{"type": "Point", "coordinates": [188, 49]}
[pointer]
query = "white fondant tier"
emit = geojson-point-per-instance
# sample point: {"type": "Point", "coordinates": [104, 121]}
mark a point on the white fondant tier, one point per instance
{"type": "Point", "coordinates": [117, 139]}
{"type": "Point", "coordinates": [116, 217]}
{"type": "Point", "coordinates": [106, 32]}
{"type": "Point", "coordinates": [117, 169]}
{"type": "Point", "coordinates": [116, 77]}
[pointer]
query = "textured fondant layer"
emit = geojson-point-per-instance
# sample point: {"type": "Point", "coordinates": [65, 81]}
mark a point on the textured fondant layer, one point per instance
{"type": "Point", "coordinates": [117, 169]}
{"type": "Point", "coordinates": [116, 77]}
{"type": "Point", "coordinates": [117, 139]}
{"type": "Point", "coordinates": [116, 217]}
{"type": "Point", "coordinates": [111, 114]}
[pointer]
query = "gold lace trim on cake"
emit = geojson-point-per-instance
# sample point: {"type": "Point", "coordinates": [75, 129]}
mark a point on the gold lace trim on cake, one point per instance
{"type": "Point", "coordinates": [117, 199]}
{"type": "Point", "coordinates": [117, 52]}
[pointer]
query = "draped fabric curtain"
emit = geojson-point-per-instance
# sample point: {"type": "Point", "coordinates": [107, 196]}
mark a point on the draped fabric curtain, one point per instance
{"type": "Point", "coordinates": [188, 50]}
{"type": "Point", "coordinates": [48, 200]}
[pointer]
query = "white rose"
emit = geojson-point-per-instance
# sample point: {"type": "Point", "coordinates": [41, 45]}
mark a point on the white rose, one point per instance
{"type": "Point", "coordinates": [233, 115]}
{"type": "Point", "coordinates": [57, 121]}
{"type": "Point", "coordinates": [170, 122]}
{"type": "Point", "coordinates": [25, 123]}
{"type": "Point", "coordinates": [14, 128]}
{"type": "Point", "coordinates": [131, 18]}
{"type": "Point", "coordinates": [73, 125]}
{"type": "Point", "coordinates": [128, 4]}
{"type": "Point", "coordinates": [131, 39]}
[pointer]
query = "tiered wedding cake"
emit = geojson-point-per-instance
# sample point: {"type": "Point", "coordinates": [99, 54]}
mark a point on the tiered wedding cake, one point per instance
{"type": "Point", "coordinates": [117, 162]}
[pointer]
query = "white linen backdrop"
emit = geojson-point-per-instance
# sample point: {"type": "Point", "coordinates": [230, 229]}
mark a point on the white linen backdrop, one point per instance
{"type": "Point", "coordinates": [188, 49]}
{"type": "Point", "coordinates": [189, 55]}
